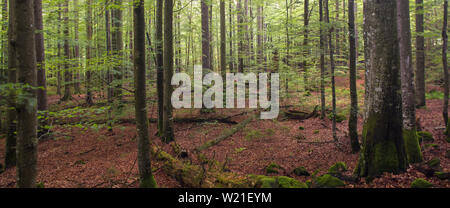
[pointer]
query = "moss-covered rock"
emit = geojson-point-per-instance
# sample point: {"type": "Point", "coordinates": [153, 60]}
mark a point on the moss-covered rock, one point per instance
{"type": "Point", "coordinates": [328, 181]}
{"type": "Point", "coordinates": [301, 171]}
{"type": "Point", "coordinates": [434, 163]}
{"type": "Point", "coordinates": [425, 136]}
{"type": "Point", "coordinates": [338, 168]}
{"type": "Point", "coordinates": [277, 182]}
{"type": "Point", "coordinates": [273, 168]}
{"type": "Point", "coordinates": [442, 175]}
{"type": "Point", "coordinates": [421, 183]}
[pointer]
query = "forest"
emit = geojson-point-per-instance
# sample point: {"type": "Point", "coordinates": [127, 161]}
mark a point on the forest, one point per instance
{"type": "Point", "coordinates": [89, 92]}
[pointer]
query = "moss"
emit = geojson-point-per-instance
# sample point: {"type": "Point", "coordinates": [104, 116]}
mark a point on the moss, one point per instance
{"type": "Point", "coordinates": [421, 183]}
{"type": "Point", "coordinates": [148, 182]}
{"type": "Point", "coordinates": [442, 175]}
{"type": "Point", "coordinates": [425, 136]}
{"type": "Point", "coordinates": [286, 182]}
{"type": "Point", "coordinates": [412, 147]}
{"type": "Point", "coordinates": [273, 168]}
{"type": "Point", "coordinates": [277, 182]}
{"type": "Point", "coordinates": [301, 171]}
{"type": "Point", "coordinates": [316, 131]}
{"type": "Point", "coordinates": [301, 128]}
{"type": "Point", "coordinates": [434, 163]}
{"type": "Point", "coordinates": [339, 117]}
{"type": "Point", "coordinates": [40, 185]}
{"type": "Point", "coordinates": [337, 168]}
{"type": "Point", "coordinates": [328, 181]}
{"type": "Point", "coordinates": [431, 145]}
{"type": "Point", "coordinates": [385, 158]}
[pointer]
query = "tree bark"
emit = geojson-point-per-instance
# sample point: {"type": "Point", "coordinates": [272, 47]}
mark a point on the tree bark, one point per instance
{"type": "Point", "coordinates": [383, 145]}
{"type": "Point", "coordinates": [206, 59]}
{"type": "Point", "coordinates": [223, 40]}
{"type": "Point", "coordinates": [168, 134]}
{"type": "Point", "coordinates": [444, 62]}
{"type": "Point", "coordinates": [420, 55]}
{"type": "Point", "coordinates": [11, 117]}
{"type": "Point", "coordinates": [117, 47]}
{"type": "Point", "coordinates": [353, 119]}
{"type": "Point", "coordinates": [332, 66]}
{"type": "Point", "coordinates": [40, 57]}
{"type": "Point", "coordinates": [412, 147]}
{"type": "Point", "coordinates": [305, 43]}
{"type": "Point", "coordinates": [322, 63]}
{"type": "Point", "coordinates": [67, 72]}
{"type": "Point", "coordinates": [145, 169]}
{"type": "Point", "coordinates": [159, 63]}
{"type": "Point", "coordinates": [89, 31]}
{"type": "Point", "coordinates": [27, 109]}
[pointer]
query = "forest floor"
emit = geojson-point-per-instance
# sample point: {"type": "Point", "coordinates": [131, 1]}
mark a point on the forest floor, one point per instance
{"type": "Point", "coordinates": [87, 155]}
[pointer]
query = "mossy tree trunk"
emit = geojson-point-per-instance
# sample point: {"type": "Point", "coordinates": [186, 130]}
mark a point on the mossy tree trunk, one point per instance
{"type": "Point", "coordinates": [383, 145]}
{"type": "Point", "coordinates": [27, 108]}
{"type": "Point", "coordinates": [145, 169]}
{"type": "Point", "coordinates": [412, 147]}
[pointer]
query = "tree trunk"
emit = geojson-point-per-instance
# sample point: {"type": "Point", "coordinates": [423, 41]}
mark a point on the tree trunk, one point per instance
{"type": "Point", "coordinates": [11, 117]}
{"type": "Point", "coordinates": [383, 145]}
{"type": "Point", "coordinates": [168, 134]}
{"type": "Point", "coordinates": [240, 27]}
{"type": "Point", "coordinates": [117, 47]}
{"type": "Point", "coordinates": [412, 147]}
{"type": "Point", "coordinates": [76, 50]}
{"type": "Point", "coordinates": [145, 169]}
{"type": "Point", "coordinates": [322, 63]}
{"type": "Point", "coordinates": [420, 56]}
{"type": "Point", "coordinates": [305, 43]}
{"type": "Point", "coordinates": [206, 59]}
{"type": "Point", "coordinates": [58, 74]}
{"type": "Point", "coordinates": [27, 109]}
{"type": "Point", "coordinates": [231, 58]}
{"type": "Point", "coordinates": [159, 63]}
{"type": "Point", "coordinates": [40, 57]}
{"type": "Point", "coordinates": [332, 66]}
{"type": "Point", "coordinates": [109, 77]}
{"type": "Point", "coordinates": [444, 62]}
{"type": "Point", "coordinates": [353, 119]}
{"type": "Point", "coordinates": [89, 97]}
{"type": "Point", "coordinates": [67, 72]}
{"type": "Point", "coordinates": [223, 40]}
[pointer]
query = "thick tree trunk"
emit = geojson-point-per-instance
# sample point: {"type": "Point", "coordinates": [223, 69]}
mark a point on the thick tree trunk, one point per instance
{"type": "Point", "coordinates": [159, 63]}
{"type": "Point", "coordinates": [420, 56]}
{"type": "Point", "coordinates": [206, 59]}
{"type": "Point", "coordinates": [27, 109]}
{"type": "Point", "coordinates": [11, 117]}
{"type": "Point", "coordinates": [353, 119]}
{"type": "Point", "coordinates": [168, 134]}
{"type": "Point", "coordinates": [412, 147]}
{"type": "Point", "coordinates": [117, 47]}
{"type": "Point", "coordinates": [145, 169]}
{"type": "Point", "coordinates": [383, 145]}
{"type": "Point", "coordinates": [109, 76]}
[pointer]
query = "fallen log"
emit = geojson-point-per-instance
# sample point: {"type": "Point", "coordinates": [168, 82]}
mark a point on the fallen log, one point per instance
{"type": "Point", "coordinates": [299, 115]}
{"type": "Point", "coordinates": [225, 134]}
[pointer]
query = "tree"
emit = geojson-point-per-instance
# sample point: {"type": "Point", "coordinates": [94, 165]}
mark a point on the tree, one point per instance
{"type": "Point", "coordinates": [383, 145]}
{"type": "Point", "coordinates": [11, 116]}
{"type": "Point", "coordinates": [332, 66]}
{"type": "Point", "coordinates": [444, 64]}
{"type": "Point", "coordinates": [117, 47]}
{"type": "Point", "coordinates": [67, 73]}
{"type": "Point", "coordinates": [413, 152]}
{"type": "Point", "coordinates": [353, 119]}
{"type": "Point", "coordinates": [168, 135]}
{"type": "Point", "coordinates": [322, 63]}
{"type": "Point", "coordinates": [145, 169]}
{"type": "Point", "coordinates": [206, 59]}
{"type": "Point", "coordinates": [305, 43]}
{"type": "Point", "coordinates": [159, 63]}
{"type": "Point", "coordinates": [89, 32]}
{"type": "Point", "coordinates": [27, 107]}
{"type": "Point", "coordinates": [223, 40]}
{"type": "Point", "coordinates": [420, 56]}
{"type": "Point", "coordinates": [40, 57]}
{"type": "Point", "coordinates": [240, 29]}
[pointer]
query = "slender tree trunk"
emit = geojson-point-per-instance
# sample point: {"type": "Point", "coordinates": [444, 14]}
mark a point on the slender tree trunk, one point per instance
{"type": "Point", "coordinates": [159, 63]}
{"type": "Point", "coordinates": [206, 59]}
{"type": "Point", "coordinates": [145, 169]}
{"type": "Point", "coordinates": [168, 72]}
{"type": "Point", "coordinates": [240, 27]}
{"type": "Point", "coordinates": [444, 62]}
{"type": "Point", "coordinates": [332, 65]}
{"type": "Point", "coordinates": [223, 40]}
{"type": "Point", "coordinates": [40, 57]}
{"type": "Point", "coordinates": [231, 37]}
{"type": "Point", "coordinates": [353, 119]}
{"type": "Point", "coordinates": [420, 56]}
{"type": "Point", "coordinates": [67, 72]}
{"type": "Point", "coordinates": [109, 76]}
{"type": "Point", "coordinates": [76, 50]}
{"type": "Point", "coordinates": [27, 109]}
{"type": "Point", "coordinates": [11, 117]}
{"type": "Point", "coordinates": [117, 47]}
{"type": "Point", "coordinates": [383, 145]}
{"type": "Point", "coordinates": [58, 75]}
{"type": "Point", "coordinates": [413, 152]}
{"type": "Point", "coordinates": [89, 96]}
{"type": "Point", "coordinates": [322, 63]}
{"type": "Point", "coordinates": [305, 43]}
